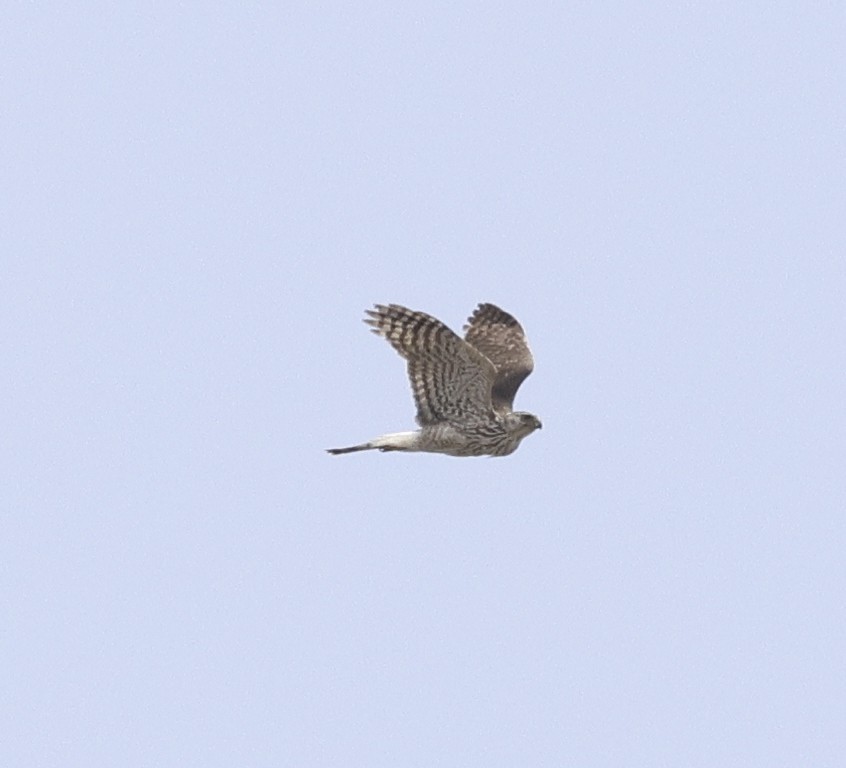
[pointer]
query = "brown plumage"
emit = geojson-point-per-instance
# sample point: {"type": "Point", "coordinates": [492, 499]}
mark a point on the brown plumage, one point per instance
{"type": "Point", "coordinates": [463, 388]}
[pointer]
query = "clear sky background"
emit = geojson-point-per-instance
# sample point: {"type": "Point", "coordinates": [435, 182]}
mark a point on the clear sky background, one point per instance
{"type": "Point", "coordinates": [198, 203]}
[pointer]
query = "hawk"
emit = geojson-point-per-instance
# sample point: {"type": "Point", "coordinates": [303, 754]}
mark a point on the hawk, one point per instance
{"type": "Point", "coordinates": [463, 388]}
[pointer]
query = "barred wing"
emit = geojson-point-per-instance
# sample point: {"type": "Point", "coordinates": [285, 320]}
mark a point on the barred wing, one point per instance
{"type": "Point", "coordinates": [450, 379]}
{"type": "Point", "coordinates": [500, 338]}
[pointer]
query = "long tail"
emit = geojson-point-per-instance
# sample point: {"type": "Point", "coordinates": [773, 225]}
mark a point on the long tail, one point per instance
{"type": "Point", "coordinates": [351, 449]}
{"type": "Point", "coordinates": [398, 441]}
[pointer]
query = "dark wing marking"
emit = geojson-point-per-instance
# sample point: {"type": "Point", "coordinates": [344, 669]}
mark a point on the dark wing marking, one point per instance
{"type": "Point", "coordinates": [499, 337]}
{"type": "Point", "coordinates": [450, 379]}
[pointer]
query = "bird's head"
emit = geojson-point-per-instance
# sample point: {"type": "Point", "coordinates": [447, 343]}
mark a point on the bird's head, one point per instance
{"type": "Point", "coordinates": [522, 423]}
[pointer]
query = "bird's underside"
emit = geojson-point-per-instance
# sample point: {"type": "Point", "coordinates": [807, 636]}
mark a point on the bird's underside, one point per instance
{"type": "Point", "coordinates": [463, 388]}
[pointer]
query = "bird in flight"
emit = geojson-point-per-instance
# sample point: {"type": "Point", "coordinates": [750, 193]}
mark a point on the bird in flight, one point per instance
{"type": "Point", "coordinates": [463, 388]}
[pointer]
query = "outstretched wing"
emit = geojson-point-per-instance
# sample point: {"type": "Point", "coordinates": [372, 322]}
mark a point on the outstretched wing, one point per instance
{"type": "Point", "coordinates": [499, 337]}
{"type": "Point", "coordinates": [450, 380]}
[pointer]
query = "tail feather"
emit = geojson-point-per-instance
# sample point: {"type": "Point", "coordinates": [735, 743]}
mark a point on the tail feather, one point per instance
{"type": "Point", "coordinates": [398, 441]}
{"type": "Point", "coordinates": [351, 449]}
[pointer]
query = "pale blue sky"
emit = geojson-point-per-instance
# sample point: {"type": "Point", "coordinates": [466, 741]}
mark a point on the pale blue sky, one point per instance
{"type": "Point", "coordinates": [200, 200]}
